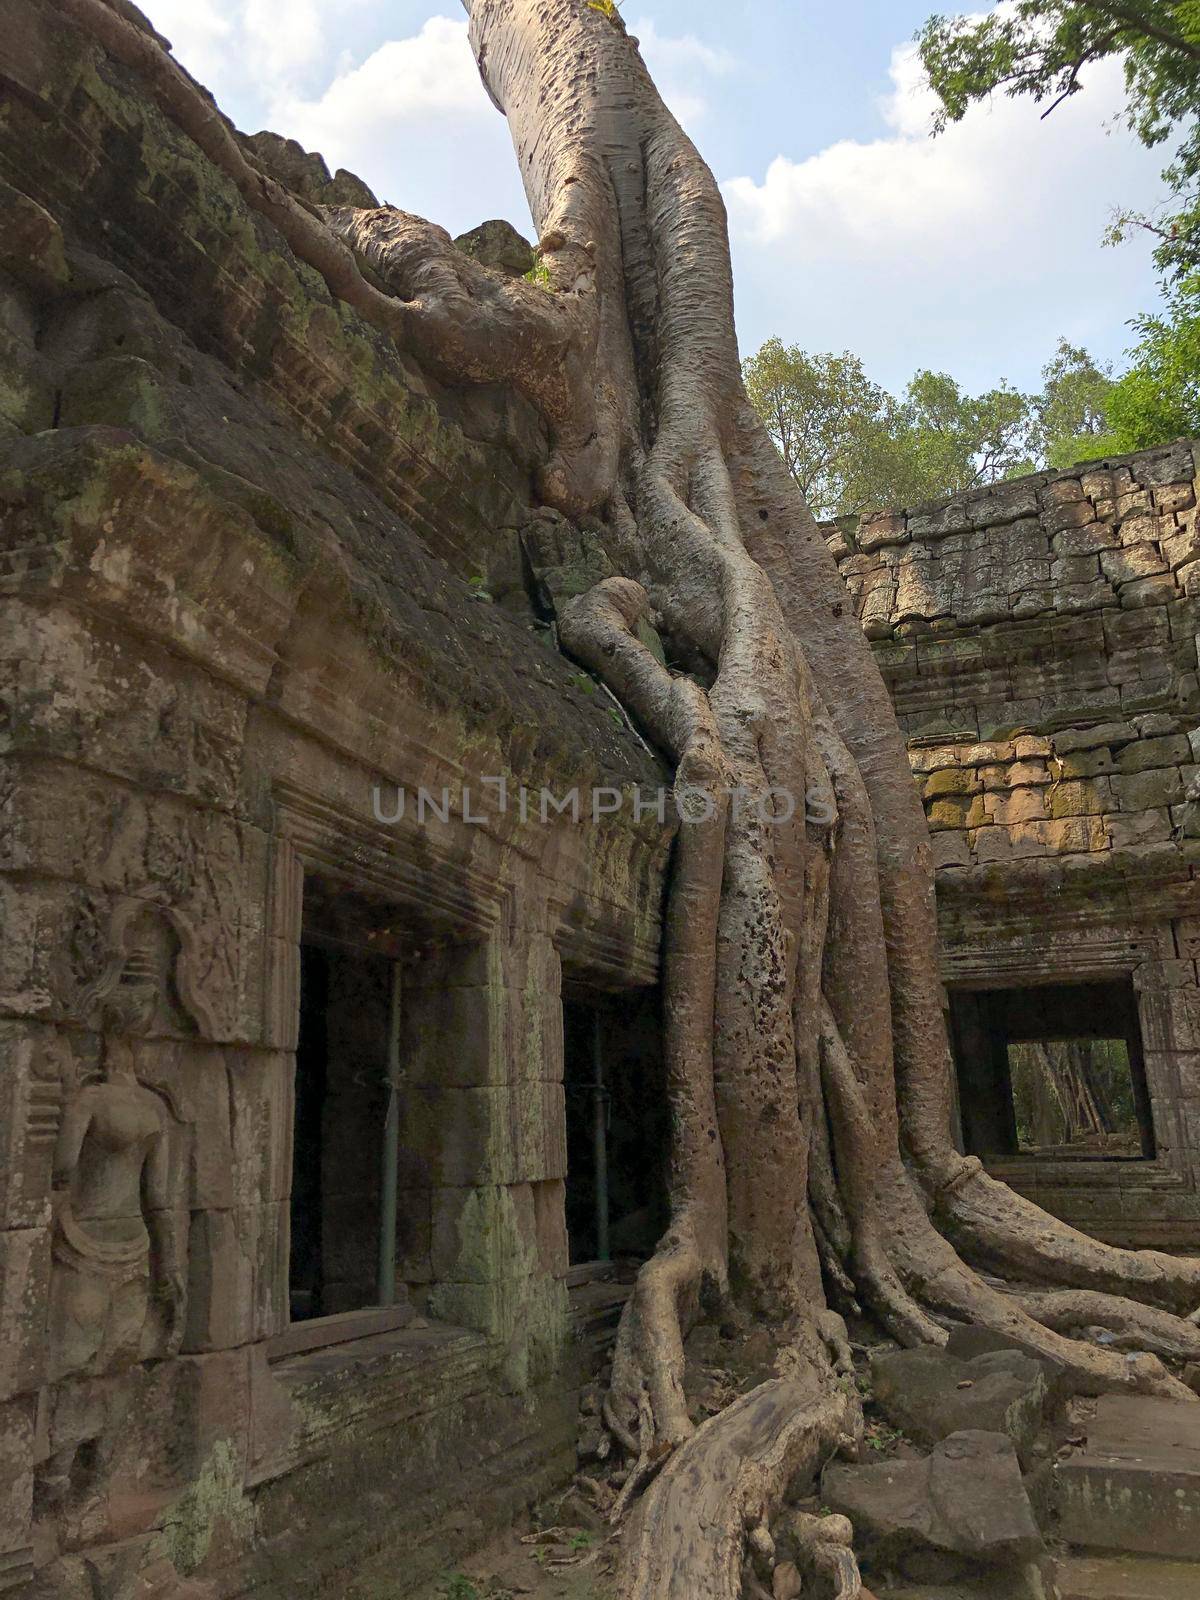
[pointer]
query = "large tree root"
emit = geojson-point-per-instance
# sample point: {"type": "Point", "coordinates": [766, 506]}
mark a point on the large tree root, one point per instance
{"type": "Point", "coordinates": [723, 1488]}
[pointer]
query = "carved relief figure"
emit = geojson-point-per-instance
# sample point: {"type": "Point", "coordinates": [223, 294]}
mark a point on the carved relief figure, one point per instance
{"type": "Point", "coordinates": [115, 1243]}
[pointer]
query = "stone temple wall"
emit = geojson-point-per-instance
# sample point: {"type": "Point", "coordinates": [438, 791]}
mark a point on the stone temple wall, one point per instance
{"type": "Point", "coordinates": [254, 563]}
{"type": "Point", "coordinates": [1039, 639]}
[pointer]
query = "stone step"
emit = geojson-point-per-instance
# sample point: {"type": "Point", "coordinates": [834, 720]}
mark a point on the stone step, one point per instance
{"type": "Point", "coordinates": [1135, 1485]}
{"type": "Point", "coordinates": [1125, 1578]}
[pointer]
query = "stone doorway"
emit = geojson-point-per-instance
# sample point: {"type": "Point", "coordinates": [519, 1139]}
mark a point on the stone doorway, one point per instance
{"type": "Point", "coordinates": [1053, 1071]}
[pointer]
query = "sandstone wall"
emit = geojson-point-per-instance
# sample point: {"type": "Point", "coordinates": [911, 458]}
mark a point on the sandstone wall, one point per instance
{"type": "Point", "coordinates": [255, 562]}
{"type": "Point", "coordinates": [1040, 642]}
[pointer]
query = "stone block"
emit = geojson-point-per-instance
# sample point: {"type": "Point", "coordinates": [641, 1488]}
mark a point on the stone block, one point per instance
{"type": "Point", "coordinates": [1171, 751]}
{"type": "Point", "coordinates": [935, 758]}
{"type": "Point", "coordinates": [237, 1276]}
{"type": "Point", "coordinates": [1063, 491]}
{"type": "Point", "coordinates": [457, 1036]}
{"type": "Point", "coordinates": [1149, 591]}
{"type": "Point", "coordinates": [951, 781]}
{"type": "Point", "coordinates": [1085, 764]}
{"type": "Point", "coordinates": [1128, 829]}
{"type": "Point", "coordinates": [1148, 791]}
{"type": "Point", "coordinates": [992, 754]}
{"type": "Point", "coordinates": [1132, 561]}
{"type": "Point", "coordinates": [1181, 547]}
{"type": "Point", "coordinates": [1026, 774]}
{"type": "Point", "coordinates": [1080, 597]}
{"type": "Point", "coordinates": [24, 1295]}
{"type": "Point", "coordinates": [1157, 725]}
{"type": "Point", "coordinates": [1031, 746]}
{"type": "Point", "coordinates": [948, 813]}
{"type": "Point", "coordinates": [950, 849]}
{"type": "Point", "coordinates": [1136, 1484]}
{"type": "Point", "coordinates": [885, 527]}
{"type": "Point", "coordinates": [1089, 540]}
{"type": "Point", "coordinates": [992, 844]}
{"type": "Point", "coordinates": [1173, 465]}
{"type": "Point", "coordinates": [1174, 497]}
{"type": "Point", "coordinates": [1079, 799]}
{"type": "Point", "coordinates": [1067, 570]}
{"type": "Point", "coordinates": [262, 1116]}
{"type": "Point", "coordinates": [1069, 835]}
{"type": "Point", "coordinates": [1017, 805]}
{"type": "Point", "coordinates": [931, 1394]}
{"type": "Point", "coordinates": [482, 1235]}
{"type": "Point", "coordinates": [17, 1427]}
{"type": "Point", "coordinates": [966, 1497]}
{"type": "Point", "coordinates": [1133, 502]}
{"type": "Point", "coordinates": [1069, 514]}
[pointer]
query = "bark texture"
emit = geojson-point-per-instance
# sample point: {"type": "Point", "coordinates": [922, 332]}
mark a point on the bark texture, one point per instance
{"type": "Point", "coordinates": [808, 1062]}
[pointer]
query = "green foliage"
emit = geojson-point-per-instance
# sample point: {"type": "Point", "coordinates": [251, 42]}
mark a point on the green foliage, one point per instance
{"type": "Point", "coordinates": [1042, 48]}
{"type": "Point", "coordinates": [539, 276]}
{"type": "Point", "coordinates": [820, 411]}
{"type": "Point", "coordinates": [457, 1586]}
{"type": "Point", "coordinates": [853, 448]}
{"type": "Point", "coordinates": [1158, 399]}
{"type": "Point", "coordinates": [942, 441]}
{"type": "Point", "coordinates": [1070, 417]}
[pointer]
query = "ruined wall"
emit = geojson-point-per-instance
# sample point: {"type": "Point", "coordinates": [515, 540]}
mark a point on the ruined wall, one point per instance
{"type": "Point", "coordinates": [1039, 639]}
{"type": "Point", "coordinates": [255, 562]}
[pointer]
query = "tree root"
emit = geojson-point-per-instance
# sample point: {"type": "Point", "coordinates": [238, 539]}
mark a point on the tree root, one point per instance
{"type": "Point", "coordinates": [825, 1545]}
{"type": "Point", "coordinates": [1001, 1230]}
{"type": "Point", "coordinates": [1131, 1326]}
{"type": "Point", "coordinates": [691, 1527]}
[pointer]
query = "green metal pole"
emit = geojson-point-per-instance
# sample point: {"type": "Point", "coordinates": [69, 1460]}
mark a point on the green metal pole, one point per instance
{"type": "Point", "coordinates": [391, 1151]}
{"type": "Point", "coordinates": [600, 1140]}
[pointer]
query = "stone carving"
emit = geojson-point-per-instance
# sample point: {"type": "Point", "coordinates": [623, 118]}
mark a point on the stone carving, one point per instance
{"type": "Point", "coordinates": [168, 940]}
{"type": "Point", "coordinates": [112, 1222]}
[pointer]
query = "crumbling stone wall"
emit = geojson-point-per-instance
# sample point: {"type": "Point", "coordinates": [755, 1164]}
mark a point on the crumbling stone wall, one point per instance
{"type": "Point", "coordinates": [1040, 642]}
{"type": "Point", "coordinates": [255, 564]}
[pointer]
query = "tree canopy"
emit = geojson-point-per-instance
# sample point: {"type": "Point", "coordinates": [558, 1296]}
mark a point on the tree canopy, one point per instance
{"type": "Point", "coordinates": [1043, 48]}
{"type": "Point", "coordinates": [852, 447]}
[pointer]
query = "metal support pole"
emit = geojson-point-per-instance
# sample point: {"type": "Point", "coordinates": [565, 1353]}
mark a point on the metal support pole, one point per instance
{"type": "Point", "coordinates": [391, 1151]}
{"type": "Point", "coordinates": [600, 1140]}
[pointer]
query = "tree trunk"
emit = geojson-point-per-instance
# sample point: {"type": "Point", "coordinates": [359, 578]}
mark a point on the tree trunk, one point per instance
{"type": "Point", "coordinates": [804, 1032]}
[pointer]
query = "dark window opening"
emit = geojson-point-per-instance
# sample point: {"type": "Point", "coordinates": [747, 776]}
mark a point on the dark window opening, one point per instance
{"type": "Point", "coordinates": [1054, 1071]}
{"type": "Point", "coordinates": [617, 1125]}
{"type": "Point", "coordinates": [343, 1054]}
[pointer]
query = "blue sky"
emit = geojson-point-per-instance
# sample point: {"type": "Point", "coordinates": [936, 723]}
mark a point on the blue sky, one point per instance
{"type": "Point", "coordinates": [850, 227]}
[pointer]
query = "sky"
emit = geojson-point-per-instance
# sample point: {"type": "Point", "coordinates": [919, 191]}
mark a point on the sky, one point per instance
{"type": "Point", "coordinates": [851, 227]}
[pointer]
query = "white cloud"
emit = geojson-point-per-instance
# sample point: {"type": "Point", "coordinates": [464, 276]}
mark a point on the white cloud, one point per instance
{"type": "Point", "coordinates": [682, 66]}
{"type": "Point", "coordinates": [415, 83]}
{"type": "Point", "coordinates": [198, 31]}
{"type": "Point", "coordinates": [283, 39]}
{"type": "Point", "coordinates": [988, 236]}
